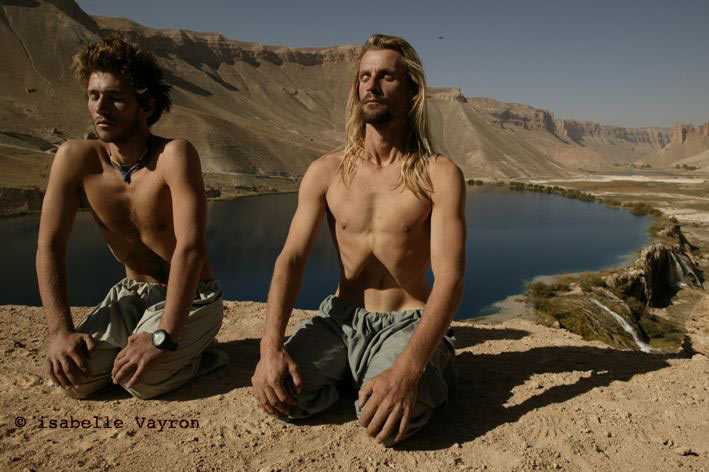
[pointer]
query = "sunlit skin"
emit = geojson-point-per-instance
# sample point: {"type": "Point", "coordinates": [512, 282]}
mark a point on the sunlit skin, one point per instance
{"type": "Point", "coordinates": [385, 238]}
{"type": "Point", "coordinates": [154, 225]}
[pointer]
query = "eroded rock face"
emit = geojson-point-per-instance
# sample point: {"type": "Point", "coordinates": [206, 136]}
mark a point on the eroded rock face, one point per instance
{"type": "Point", "coordinates": [579, 131]}
{"type": "Point", "coordinates": [660, 271]}
{"type": "Point", "coordinates": [687, 141]}
{"type": "Point", "coordinates": [696, 340]}
{"type": "Point", "coordinates": [681, 131]}
{"type": "Point", "coordinates": [517, 114]}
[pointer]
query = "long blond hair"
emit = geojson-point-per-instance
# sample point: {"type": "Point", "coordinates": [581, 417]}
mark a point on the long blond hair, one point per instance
{"type": "Point", "coordinates": [418, 150]}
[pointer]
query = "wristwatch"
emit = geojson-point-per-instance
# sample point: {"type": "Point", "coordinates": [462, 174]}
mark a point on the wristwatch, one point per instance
{"type": "Point", "coordinates": [161, 340]}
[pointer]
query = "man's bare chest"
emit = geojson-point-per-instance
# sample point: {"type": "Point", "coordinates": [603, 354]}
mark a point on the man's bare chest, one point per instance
{"type": "Point", "coordinates": [134, 209]}
{"type": "Point", "coordinates": [372, 209]}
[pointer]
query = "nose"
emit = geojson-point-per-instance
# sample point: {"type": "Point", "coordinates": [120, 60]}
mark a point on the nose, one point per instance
{"type": "Point", "coordinates": [372, 86]}
{"type": "Point", "coordinates": [101, 104]}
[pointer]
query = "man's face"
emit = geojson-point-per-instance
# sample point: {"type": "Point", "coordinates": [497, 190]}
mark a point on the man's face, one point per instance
{"type": "Point", "coordinates": [384, 91]}
{"type": "Point", "coordinates": [114, 108]}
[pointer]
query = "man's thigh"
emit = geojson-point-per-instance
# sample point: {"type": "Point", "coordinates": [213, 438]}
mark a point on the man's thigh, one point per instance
{"type": "Point", "coordinates": [177, 367]}
{"type": "Point", "coordinates": [437, 380]}
{"type": "Point", "coordinates": [319, 352]}
{"type": "Point", "coordinates": [117, 316]}
{"type": "Point", "coordinates": [109, 324]}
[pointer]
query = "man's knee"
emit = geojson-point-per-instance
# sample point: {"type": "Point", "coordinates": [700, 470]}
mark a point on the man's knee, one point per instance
{"type": "Point", "coordinates": [310, 400]}
{"type": "Point", "coordinates": [153, 384]}
{"type": "Point", "coordinates": [142, 392]}
{"type": "Point", "coordinates": [83, 391]}
{"type": "Point", "coordinates": [420, 417]}
{"type": "Point", "coordinates": [76, 393]}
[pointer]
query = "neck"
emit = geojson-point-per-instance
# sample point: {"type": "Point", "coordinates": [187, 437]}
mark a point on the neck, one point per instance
{"type": "Point", "coordinates": [384, 143]}
{"type": "Point", "coordinates": [130, 150]}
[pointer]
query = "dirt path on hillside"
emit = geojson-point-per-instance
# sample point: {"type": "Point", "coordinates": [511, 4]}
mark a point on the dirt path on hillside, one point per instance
{"type": "Point", "coordinates": [531, 398]}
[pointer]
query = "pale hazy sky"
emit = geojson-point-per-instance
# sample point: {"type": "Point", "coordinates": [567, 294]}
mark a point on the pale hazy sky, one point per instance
{"type": "Point", "coordinates": [626, 62]}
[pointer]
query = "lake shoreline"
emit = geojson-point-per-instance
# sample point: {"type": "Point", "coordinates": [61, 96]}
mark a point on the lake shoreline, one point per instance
{"type": "Point", "coordinates": [670, 204]}
{"type": "Point", "coordinates": [507, 310]}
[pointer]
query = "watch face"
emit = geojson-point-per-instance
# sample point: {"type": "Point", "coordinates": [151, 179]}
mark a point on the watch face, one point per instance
{"type": "Point", "coordinates": [158, 337]}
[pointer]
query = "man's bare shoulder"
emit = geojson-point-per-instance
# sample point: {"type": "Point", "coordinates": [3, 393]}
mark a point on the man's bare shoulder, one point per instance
{"type": "Point", "coordinates": [327, 163]}
{"type": "Point", "coordinates": [320, 174]}
{"type": "Point", "coordinates": [176, 145]}
{"type": "Point", "coordinates": [175, 148]}
{"type": "Point", "coordinates": [72, 156]}
{"type": "Point", "coordinates": [78, 149]}
{"type": "Point", "coordinates": [176, 157]}
{"type": "Point", "coordinates": [444, 172]}
{"type": "Point", "coordinates": [324, 168]}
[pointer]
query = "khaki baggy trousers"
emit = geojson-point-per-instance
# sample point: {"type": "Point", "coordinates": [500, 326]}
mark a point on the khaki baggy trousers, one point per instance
{"type": "Point", "coordinates": [349, 343]}
{"type": "Point", "coordinates": [133, 307]}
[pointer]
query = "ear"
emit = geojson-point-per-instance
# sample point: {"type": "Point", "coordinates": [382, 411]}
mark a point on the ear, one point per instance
{"type": "Point", "coordinates": [149, 106]}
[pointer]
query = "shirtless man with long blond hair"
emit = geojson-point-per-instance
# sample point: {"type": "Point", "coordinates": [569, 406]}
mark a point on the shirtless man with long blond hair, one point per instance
{"type": "Point", "coordinates": [393, 207]}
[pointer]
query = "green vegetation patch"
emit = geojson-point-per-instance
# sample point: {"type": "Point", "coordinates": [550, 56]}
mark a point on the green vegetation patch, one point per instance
{"type": "Point", "coordinates": [642, 209]}
{"type": "Point", "coordinates": [556, 190]}
{"type": "Point", "coordinates": [553, 303]}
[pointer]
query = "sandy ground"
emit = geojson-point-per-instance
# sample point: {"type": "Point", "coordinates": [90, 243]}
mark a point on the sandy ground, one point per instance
{"type": "Point", "coordinates": [530, 398]}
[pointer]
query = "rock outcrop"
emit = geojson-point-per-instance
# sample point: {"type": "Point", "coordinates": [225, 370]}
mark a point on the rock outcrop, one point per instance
{"type": "Point", "coordinates": [627, 308]}
{"type": "Point", "coordinates": [687, 141]}
{"type": "Point", "coordinates": [532, 118]}
{"type": "Point", "coordinates": [582, 131]}
{"type": "Point", "coordinates": [574, 143]}
{"type": "Point", "coordinates": [659, 271]}
{"type": "Point", "coordinates": [516, 114]}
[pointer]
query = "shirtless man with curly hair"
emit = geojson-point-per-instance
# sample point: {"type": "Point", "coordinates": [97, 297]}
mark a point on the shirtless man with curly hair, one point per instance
{"type": "Point", "coordinates": [147, 196]}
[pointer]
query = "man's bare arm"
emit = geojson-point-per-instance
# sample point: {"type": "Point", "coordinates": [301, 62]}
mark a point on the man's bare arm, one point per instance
{"type": "Point", "coordinates": [288, 271]}
{"type": "Point", "coordinates": [66, 348]}
{"type": "Point", "coordinates": [391, 396]}
{"type": "Point", "coordinates": [183, 176]}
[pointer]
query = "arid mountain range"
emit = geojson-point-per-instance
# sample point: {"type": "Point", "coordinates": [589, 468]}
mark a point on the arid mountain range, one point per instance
{"type": "Point", "coordinates": [268, 111]}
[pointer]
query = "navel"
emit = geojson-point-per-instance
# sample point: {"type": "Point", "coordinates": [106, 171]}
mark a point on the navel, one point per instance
{"type": "Point", "coordinates": [406, 229]}
{"type": "Point", "coordinates": [343, 225]}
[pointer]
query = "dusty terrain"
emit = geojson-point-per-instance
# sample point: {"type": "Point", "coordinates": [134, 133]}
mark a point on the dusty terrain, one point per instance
{"type": "Point", "coordinates": [530, 398]}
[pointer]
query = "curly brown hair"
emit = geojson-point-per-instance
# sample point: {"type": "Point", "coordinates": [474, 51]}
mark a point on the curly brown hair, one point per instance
{"type": "Point", "coordinates": [136, 65]}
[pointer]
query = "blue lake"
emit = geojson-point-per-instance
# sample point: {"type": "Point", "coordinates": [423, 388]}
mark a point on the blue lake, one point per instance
{"type": "Point", "coordinates": [512, 237]}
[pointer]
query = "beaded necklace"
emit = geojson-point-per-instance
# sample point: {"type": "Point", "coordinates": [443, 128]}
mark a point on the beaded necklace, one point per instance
{"type": "Point", "coordinates": [128, 169]}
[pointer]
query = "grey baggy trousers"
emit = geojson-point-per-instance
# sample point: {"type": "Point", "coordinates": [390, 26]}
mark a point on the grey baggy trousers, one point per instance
{"type": "Point", "coordinates": [349, 343]}
{"type": "Point", "coordinates": [133, 307]}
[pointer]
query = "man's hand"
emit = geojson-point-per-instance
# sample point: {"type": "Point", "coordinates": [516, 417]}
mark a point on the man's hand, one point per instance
{"type": "Point", "coordinates": [139, 354]}
{"type": "Point", "coordinates": [65, 353]}
{"type": "Point", "coordinates": [387, 402]}
{"type": "Point", "coordinates": [268, 381]}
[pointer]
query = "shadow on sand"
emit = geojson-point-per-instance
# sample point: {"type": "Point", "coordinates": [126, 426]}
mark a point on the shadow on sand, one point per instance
{"type": "Point", "coordinates": [487, 381]}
